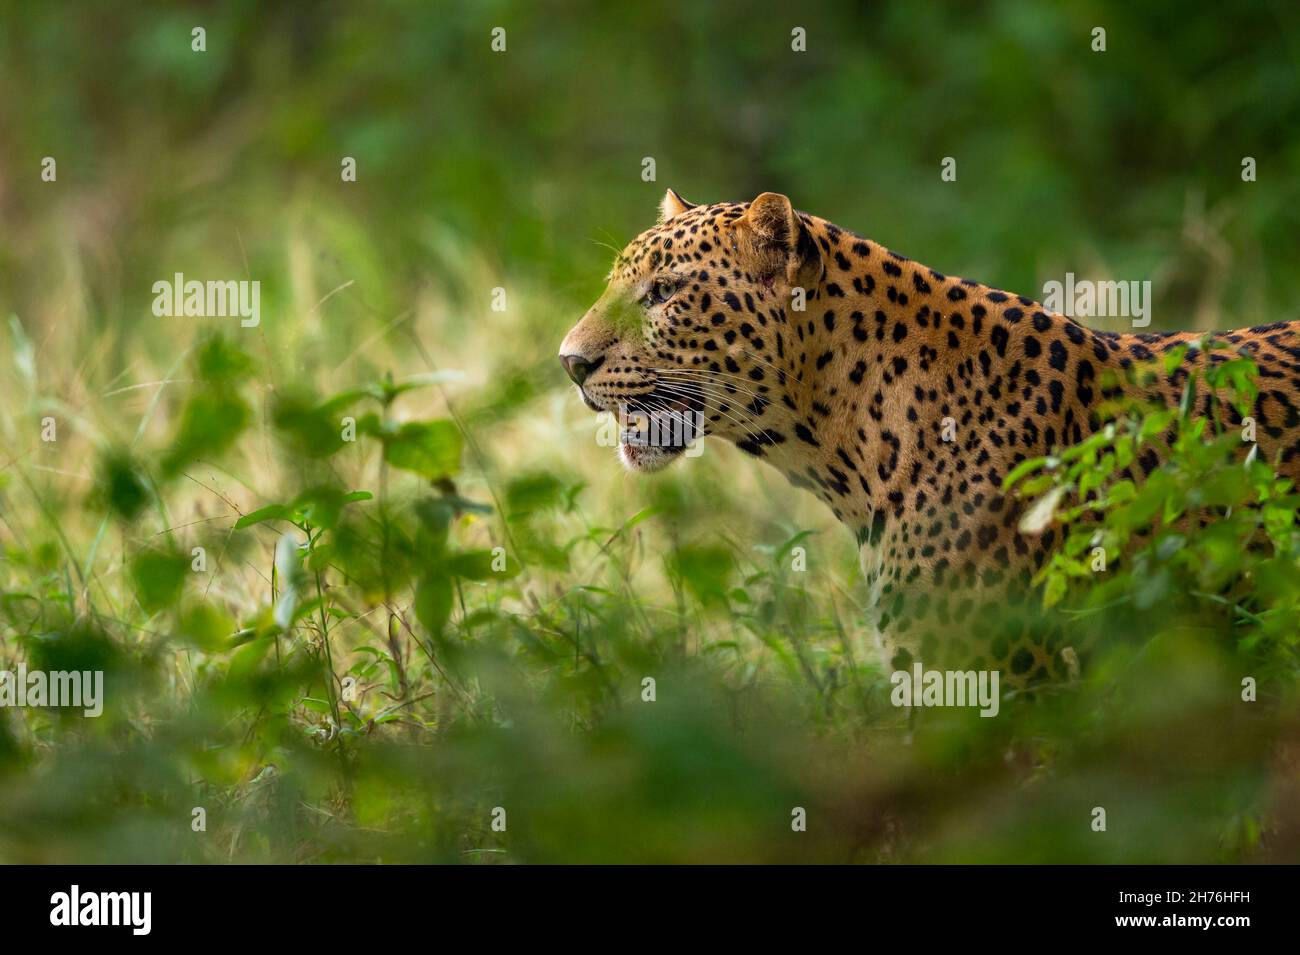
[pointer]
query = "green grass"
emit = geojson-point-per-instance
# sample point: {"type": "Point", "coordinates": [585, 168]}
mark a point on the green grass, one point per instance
{"type": "Point", "coordinates": [396, 637]}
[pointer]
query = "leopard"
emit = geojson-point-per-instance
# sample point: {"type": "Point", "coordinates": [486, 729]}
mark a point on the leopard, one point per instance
{"type": "Point", "coordinates": [900, 396]}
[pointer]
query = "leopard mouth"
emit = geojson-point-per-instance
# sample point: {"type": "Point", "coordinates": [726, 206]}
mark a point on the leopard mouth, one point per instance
{"type": "Point", "coordinates": [657, 427]}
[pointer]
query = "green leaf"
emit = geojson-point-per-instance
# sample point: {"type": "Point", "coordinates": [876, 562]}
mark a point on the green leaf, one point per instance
{"type": "Point", "coordinates": [222, 362]}
{"type": "Point", "coordinates": [386, 391]}
{"type": "Point", "coordinates": [124, 490]}
{"type": "Point", "coordinates": [1054, 590]}
{"type": "Point", "coordinates": [533, 492]}
{"type": "Point", "coordinates": [272, 512]}
{"type": "Point", "coordinates": [311, 429]}
{"type": "Point", "coordinates": [1174, 357]}
{"type": "Point", "coordinates": [429, 448]}
{"type": "Point", "coordinates": [1121, 492]}
{"type": "Point", "coordinates": [779, 554]}
{"type": "Point", "coordinates": [158, 577]}
{"type": "Point", "coordinates": [1037, 485]}
{"type": "Point", "coordinates": [206, 627]}
{"type": "Point", "coordinates": [210, 423]}
{"type": "Point", "coordinates": [1022, 469]}
{"type": "Point", "coordinates": [1157, 423]}
{"type": "Point", "coordinates": [642, 515]}
{"type": "Point", "coordinates": [321, 506]}
{"type": "Point", "coordinates": [318, 506]}
{"type": "Point", "coordinates": [433, 602]}
{"type": "Point", "coordinates": [483, 565]}
{"type": "Point", "coordinates": [706, 571]}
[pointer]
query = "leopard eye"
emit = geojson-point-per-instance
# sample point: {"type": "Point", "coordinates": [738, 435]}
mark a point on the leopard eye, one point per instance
{"type": "Point", "coordinates": [661, 290]}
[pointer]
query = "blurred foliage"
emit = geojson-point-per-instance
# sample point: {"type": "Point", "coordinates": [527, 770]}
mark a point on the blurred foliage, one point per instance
{"type": "Point", "coordinates": [360, 574]}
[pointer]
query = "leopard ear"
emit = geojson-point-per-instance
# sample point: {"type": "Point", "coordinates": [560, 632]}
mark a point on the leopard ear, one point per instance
{"type": "Point", "coordinates": [773, 220]}
{"type": "Point", "coordinates": [673, 205]}
{"type": "Point", "coordinates": [778, 228]}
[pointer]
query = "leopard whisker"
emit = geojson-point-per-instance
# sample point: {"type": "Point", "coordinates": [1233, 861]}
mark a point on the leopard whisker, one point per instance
{"type": "Point", "coordinates": [724, 403]}
{"type": "Point", "coordinates": [718, 388]}
{"type": "Point", "coordinates": [746, 387]}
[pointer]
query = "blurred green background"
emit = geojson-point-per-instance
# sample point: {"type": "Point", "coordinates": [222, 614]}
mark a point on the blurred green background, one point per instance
{"type": "Point", "coordinates": [522, 170]}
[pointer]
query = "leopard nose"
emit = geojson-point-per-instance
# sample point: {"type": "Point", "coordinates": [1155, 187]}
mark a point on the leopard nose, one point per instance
{"type": "Point", "coordinates": [578, 368]}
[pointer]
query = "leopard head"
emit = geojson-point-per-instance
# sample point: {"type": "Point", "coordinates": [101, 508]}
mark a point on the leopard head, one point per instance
{"type": "Point", "coordinates": [692, 334]}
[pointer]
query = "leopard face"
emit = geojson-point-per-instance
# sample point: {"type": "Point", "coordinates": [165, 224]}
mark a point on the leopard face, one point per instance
{"type": "Point", "coordinates": [686, 339]}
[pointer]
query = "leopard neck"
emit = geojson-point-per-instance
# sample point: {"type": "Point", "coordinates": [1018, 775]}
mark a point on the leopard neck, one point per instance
{"type": "Point", "coordinates": [899, 383]}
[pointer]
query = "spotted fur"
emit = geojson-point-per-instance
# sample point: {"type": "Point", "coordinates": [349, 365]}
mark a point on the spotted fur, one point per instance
{"type": "Point", "coordinates": [849, 396]}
